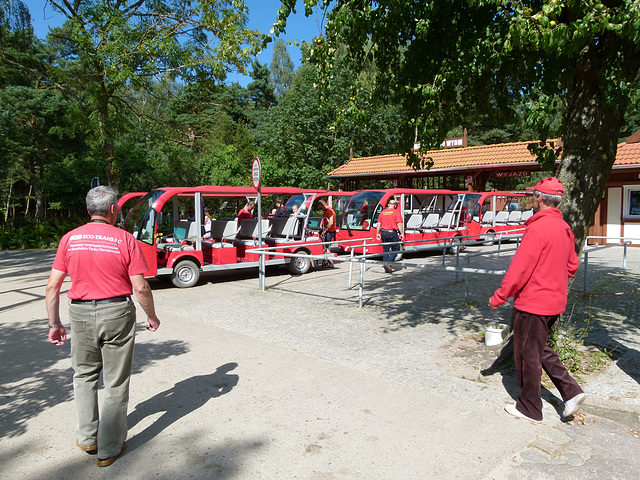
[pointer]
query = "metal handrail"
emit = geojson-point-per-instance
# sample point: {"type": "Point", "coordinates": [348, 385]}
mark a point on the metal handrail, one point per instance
{"type": "Point", "coordinates": [586, 251]}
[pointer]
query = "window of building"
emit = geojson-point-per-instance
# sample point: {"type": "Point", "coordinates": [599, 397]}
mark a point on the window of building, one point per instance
{"type": "Point", "coordinates": [632, 202]}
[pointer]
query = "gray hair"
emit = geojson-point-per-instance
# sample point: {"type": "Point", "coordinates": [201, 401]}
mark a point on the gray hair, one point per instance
{"type": "Point", "coordinates": [100, 199]}
{"type": "Point", "coordinates": [551, 200]}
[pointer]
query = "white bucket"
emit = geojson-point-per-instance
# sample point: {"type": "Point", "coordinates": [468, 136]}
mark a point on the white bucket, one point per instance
{"type": "Point", "coordinates": [492, 336]}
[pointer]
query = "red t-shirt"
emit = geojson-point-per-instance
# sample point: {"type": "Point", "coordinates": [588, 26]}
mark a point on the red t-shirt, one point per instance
{"type": "Point", "coordinates": [243, 213]}
{"type": "Point", "coordinates": [329, 213]}
{"type": "Point", "coordinates": [99, 258]}
{"type": "Point", "coordinates": [389, 219]}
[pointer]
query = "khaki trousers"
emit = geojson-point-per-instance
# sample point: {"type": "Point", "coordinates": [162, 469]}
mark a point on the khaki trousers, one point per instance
{"type": "Point", "coordinates": [102, 341]}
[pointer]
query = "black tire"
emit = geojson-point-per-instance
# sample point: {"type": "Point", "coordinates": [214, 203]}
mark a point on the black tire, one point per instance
{"type": "Point", "coordinates": [299, 265]}
{"type": "Point", "coordinates": [185, 274]}
{"type": "Point", "coordinates": [488, 239]}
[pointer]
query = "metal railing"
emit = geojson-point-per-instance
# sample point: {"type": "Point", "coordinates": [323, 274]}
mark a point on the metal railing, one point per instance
{"type": "Point", "coordinates": [587, 250]}
{"type": "Point", "coordinates": [368, 258]}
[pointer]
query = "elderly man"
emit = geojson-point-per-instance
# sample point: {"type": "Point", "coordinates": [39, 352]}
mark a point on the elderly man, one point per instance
{"type": "Point", "coordinates": [538, 279]}
{"type": "Point", "coordinates": [106, 265]}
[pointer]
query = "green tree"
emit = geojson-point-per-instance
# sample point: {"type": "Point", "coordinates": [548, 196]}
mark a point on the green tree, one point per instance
{"type": "Point", "coordinates": [260, 89]}
{"type": "Point", "coordinates": [108, 49]}
{"type": "Point", "coordinates": [309, 133]}
{"type": "Point", "coordinates": [449, 61]}
{"type": "Point", "coordinates": [281, 68]}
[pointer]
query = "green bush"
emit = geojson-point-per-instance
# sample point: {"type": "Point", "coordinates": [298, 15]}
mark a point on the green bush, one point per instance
{"type": "Point", "coordinates": [42, 235]}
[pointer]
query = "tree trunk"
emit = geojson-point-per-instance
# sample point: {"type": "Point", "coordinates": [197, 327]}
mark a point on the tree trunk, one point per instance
{"type": "Point", "coordinates": [39, 196]}
{"type": "Point", "coordinates": [6, 212]}
{"type": "Point", "coordinates": [590, 141]}
{"type": "Point", "coordinates": [26, 209]}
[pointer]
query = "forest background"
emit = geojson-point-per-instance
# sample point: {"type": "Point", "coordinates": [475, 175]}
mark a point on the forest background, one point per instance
{"type": "Point", "coordinates": [141, 99]}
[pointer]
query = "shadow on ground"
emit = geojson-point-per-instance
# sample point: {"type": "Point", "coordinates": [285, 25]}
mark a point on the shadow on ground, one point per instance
{"type": "Point", "coordinates": [31, 380]}
{"type": "Point", "coordinates": [182, 399]}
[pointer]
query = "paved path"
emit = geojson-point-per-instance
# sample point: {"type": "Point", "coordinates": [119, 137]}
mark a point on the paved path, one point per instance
{"type": "Point", "coordinates": [298, 382]}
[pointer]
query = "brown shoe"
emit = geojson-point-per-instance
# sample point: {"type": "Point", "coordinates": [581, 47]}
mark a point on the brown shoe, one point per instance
{"type": "Point", "coordinates": [108, 461]}
{"type": "Point", "coordinates": [90, 449]}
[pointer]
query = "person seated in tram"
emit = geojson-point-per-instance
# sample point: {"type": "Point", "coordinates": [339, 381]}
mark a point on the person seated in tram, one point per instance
{"type": "Point", "coordinates": [280, 210]}
{"type": "Point", "coordinates": [207, 223]}
{"type": "Point", "coordinates": [246, 212]}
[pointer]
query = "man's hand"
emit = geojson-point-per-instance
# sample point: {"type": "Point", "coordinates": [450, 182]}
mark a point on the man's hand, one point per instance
{"type": "Point", "coordinates": [491, 305]}
{"type": "Point", "coordinates": [57, 335]}
{"type": "Point", "coordinates": [154, 323]}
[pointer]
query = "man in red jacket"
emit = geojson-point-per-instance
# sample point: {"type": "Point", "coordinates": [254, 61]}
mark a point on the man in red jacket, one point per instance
{"type": "Point", "coordinates": [538, 279]}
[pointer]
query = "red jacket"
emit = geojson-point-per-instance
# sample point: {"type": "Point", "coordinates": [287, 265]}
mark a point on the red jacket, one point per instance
{"type": "Point", "coordinates": [539, 273]}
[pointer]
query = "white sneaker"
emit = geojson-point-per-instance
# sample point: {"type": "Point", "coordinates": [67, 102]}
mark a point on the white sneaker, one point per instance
{"type": "Point", "coordinates": [511, 409]}
{"type": "Point", "coordinates": [572, 405]}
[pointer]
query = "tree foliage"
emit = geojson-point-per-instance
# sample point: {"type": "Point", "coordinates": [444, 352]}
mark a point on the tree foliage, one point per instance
{"type": "Point", "coordinates": [109, 48]}
{"type": "Point", "coordinates": [447, 62]}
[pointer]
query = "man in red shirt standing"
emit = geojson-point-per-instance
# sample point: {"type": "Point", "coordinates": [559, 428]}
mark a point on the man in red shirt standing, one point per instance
{"type": "Point", "coordinates": [390, 229]}
{"type": "Point", "coordinates": [329, 226]}
{"type": "Point", "coordinates": [106, 266]}
{"type": "Point", "coordinates": [538, 279]}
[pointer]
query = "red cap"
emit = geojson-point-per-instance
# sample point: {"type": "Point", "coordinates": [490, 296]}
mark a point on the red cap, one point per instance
{"type": "Point", "coordinates": [550, 186]}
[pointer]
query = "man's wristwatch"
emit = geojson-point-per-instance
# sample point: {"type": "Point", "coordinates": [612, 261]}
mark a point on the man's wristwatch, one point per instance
{"type": "Point", "coordinates": [56, 325]}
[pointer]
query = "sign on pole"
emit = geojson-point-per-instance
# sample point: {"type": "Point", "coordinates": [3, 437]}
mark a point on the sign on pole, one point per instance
{"type": "Point", "coordinates": [256, 173]}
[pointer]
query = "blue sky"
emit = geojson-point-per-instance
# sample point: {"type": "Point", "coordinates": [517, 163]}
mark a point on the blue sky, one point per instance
{"type": "Point", "coordinates": [262, 15]}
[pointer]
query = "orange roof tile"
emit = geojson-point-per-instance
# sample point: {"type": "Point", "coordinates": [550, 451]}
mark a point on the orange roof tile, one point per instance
{"type": "Point", "coordinates": [628, 153]}
{"type": "Point", "coordinates": [448, 160]}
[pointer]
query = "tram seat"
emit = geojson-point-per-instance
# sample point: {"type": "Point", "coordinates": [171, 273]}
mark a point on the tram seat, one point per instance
{"type": "Point", "coordinates": [502, 217]}
{"type": "Point", "coordinates": [487, 218]}
{"type": "Point", "coordinates": [223, 230]}
{"type": "Point", "coordinates": [526, 215]}
{"type": "Point", "coordinates": [222, 233]}
{"type": "Point", "coordinates": [446, 222]}
{"type": "Point", "coordinates": [514, 217]}
{"type": "Point", "coordinates": [184, 230]}
{"type": "Point", "coordinates": [284, 229]}
{"type": "Point", "coordinates": [430, 222]}
{"type": "Point", "coordinates": [248, 233]}
{"type": "Point", "coordinates": [414, 223]}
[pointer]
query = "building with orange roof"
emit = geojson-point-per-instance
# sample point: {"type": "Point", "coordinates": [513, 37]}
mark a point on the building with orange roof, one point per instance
{"type": "Point", "coordinates": [471, 168]}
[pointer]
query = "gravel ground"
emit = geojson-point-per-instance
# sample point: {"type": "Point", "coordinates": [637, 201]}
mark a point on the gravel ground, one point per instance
{"type": "Point", "coordinates": [299, 382]}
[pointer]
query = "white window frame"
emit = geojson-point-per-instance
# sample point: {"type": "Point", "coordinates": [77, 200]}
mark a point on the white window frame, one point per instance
{"type": "Point", "coordinates": [631, 192]}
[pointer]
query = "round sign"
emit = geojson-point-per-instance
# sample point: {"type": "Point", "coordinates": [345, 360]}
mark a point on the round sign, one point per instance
{"type": "Point", "coordinates": [256, 172]}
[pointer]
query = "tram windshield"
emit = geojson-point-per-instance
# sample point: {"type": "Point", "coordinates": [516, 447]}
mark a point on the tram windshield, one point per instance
{"type": "Point", "coordinates": [140, 221]}
{"type": "Point", "coordinates": [361, 209]}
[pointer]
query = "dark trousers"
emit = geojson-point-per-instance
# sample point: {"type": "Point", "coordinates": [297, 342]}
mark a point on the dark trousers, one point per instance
{"type": "Point", "coordinates": [532, 354]}
{"type": "Point", "coordinates": [390, 236]}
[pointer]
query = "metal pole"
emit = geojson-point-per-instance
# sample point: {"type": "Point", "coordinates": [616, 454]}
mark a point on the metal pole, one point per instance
{"type": "Point", "coordinates": [586, 269]}
{"type": "Point", "coordinates": [458, 262]}
{"type": "Point", "coordinates": [351, 268]}
{"type": "Point", "coordinates": [466, 282]}
{"type": "Point", "coordinates": [624, 259]}
{"type": "Point", "coordinates": [361, 287]}
{"type": "Point", "coordinates": [261, 269]}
